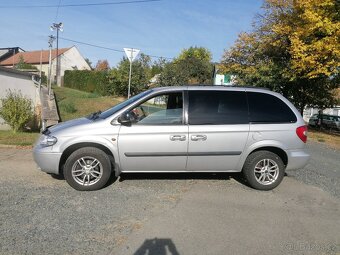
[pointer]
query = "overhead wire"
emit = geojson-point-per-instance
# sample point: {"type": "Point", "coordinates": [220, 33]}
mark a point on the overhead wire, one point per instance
{"type": "Point", "coordinates": [107, 48]}
{"type": "Point", "coordinates": [56, 15]}
{"type": "Point", "coordinates": [78, 5]}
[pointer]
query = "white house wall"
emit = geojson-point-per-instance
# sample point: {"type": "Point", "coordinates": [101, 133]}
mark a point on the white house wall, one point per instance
{"type": "Point", "coordinates": [17, 82]}
{"type": "Point", "coordinates": [72, 60]}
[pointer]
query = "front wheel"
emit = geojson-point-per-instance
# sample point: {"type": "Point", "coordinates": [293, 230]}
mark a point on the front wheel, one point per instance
{"type": "Point", "coordinates": [87, 169]}
{"type": "Point", "coordinates": [264, 170]}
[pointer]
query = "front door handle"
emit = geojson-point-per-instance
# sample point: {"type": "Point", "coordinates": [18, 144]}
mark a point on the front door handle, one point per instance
{"type": "Point", "coordinates": [177, 137]}
{"type": "Point", "coordinates": [198, 137]}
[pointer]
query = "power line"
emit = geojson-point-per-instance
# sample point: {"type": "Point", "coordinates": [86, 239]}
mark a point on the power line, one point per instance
{"type": "Point", "coordinates": [107, 48]}
{"type": "Point", "coordinates": [77, 5]}
{"type": "Point", "coordinates": [56, 16]}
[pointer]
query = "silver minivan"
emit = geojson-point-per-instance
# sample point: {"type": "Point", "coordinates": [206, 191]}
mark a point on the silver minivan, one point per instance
{"type": "Point", "coordinates": [180, 129]}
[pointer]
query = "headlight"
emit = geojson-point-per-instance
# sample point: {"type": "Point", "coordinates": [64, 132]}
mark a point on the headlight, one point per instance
{"type": "Point", "coordinates": [48, 140]}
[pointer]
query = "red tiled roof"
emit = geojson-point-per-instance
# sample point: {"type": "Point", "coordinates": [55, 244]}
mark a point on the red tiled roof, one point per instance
{"type": "Point", "coordinates": [32, 57]}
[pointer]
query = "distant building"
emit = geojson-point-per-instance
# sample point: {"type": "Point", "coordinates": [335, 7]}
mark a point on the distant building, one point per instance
{"type": "Point", "coordinates": [221, 78]}
{"type": "Point", "coordinates": [69, 59]}
{"type": "Point", "coordinates": [9, 52]}
{"type": "Point", "coordinates": [224, 79]}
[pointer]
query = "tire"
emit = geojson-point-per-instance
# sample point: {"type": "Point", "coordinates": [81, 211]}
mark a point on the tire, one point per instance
{"type": "Point", "coordinates": [87, 169]}
{"type": "Point", "coordinates": [263, 170]}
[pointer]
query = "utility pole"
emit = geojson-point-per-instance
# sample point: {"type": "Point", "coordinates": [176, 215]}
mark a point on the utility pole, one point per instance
{"type": "Point", "coordinates": [58, 27]}
{"type": "Point", "coordinates": [50, 44]}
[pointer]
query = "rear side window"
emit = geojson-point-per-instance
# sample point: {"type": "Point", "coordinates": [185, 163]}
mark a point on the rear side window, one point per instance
{"type": "Point", "coordinates": [265, 108]}
{"type": "Point", "coordinates": [217, 107]}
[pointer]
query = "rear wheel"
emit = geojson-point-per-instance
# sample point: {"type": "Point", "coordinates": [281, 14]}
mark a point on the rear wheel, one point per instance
{"type": "Point", "coordinates": [264, 170]}
{"type": "Point", "coordinates": [87, 169]}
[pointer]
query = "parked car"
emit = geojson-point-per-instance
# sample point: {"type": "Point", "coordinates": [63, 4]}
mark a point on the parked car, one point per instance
{"type": "Point", "coordinates": [314, 120]}
{"type": "Point", "coordinates": [332, 122]}
{"type": "Point", "coordinates": [180, 129]}
{"type": "Point", "coordinates": [324, 120]}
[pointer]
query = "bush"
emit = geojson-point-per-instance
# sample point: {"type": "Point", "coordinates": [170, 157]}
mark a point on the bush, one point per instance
{"type": "Point", "coordinates": [16, 110]}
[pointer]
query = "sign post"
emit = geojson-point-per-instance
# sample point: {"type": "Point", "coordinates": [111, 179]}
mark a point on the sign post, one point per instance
{"type": "Point", "coordinates": [131, 54]}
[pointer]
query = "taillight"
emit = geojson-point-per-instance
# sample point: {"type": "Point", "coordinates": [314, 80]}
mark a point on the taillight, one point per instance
{"type": "Point", "coordinates": [302, 133]}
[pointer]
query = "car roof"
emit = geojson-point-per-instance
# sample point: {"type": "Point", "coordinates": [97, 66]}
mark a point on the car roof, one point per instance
{"type": "Point", "coordinates": [213, 87]}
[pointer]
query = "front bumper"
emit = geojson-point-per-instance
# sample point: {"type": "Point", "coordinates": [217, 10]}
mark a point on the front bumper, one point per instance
{"type": "Point", "coordinates": [297, 159]}
{"type": "Point", "coordinates": [46, 160]}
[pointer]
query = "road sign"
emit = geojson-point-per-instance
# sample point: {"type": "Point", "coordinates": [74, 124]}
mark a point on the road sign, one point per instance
{"type": "Point", "coordinates": [131, 53]}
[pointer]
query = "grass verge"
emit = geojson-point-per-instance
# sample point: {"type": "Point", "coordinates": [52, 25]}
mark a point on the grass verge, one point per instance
{"type": "Point", "coordinates": [330, 140]}
{"type": "Point", "coordinates": [17, 139]}
{"type": "Point", "coordinates": [73, 103]}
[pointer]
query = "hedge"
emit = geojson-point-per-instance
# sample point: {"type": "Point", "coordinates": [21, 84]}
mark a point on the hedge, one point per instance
{"type": "Point", "coordinates": [89, 81]}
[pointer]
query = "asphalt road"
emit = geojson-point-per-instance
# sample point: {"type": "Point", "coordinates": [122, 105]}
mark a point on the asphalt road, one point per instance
{"type": "Point", "coordinates": [170, 214]}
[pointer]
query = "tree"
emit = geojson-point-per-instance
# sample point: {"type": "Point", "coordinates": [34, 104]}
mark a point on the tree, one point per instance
{"type": "Point", "coordinates": [293, 49]}
{"type": "Point", "coordinates": [192, 66]}
{"type": "Point", "coordinates": [119, 76]}
{"type": "Point", "coordinates": [102, 65]}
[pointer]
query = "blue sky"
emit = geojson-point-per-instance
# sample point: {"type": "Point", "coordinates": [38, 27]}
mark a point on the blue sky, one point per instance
{"type": "Point", "coordinates": [161, 28]}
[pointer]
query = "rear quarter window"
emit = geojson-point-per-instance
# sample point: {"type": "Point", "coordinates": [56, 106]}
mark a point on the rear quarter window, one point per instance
{"type": "Point", "coordinates": [266, 108]}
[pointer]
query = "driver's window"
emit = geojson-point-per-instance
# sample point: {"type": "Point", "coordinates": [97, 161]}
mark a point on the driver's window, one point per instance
{"type": "Point", "coordinates": [165, 109]}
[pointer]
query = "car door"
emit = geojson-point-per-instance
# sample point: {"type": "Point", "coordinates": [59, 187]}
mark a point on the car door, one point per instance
{"type": "Point", "coordinates": [218, 129]}
{"type": "Point", "coordinates": [157, 139]}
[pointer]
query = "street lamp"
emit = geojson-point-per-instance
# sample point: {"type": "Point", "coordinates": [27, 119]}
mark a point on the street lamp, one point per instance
{"type": "Point", "coordinates": [58, 27]}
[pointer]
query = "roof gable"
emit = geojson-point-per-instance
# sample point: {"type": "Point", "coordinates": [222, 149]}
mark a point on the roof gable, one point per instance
{"type": "Point", "coordinates": [32, 57]}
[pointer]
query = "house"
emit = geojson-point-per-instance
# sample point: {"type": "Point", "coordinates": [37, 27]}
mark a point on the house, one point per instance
{"type": "Point", "coordinates": [8, 52]}
{"type": "Point", "coordinates": [14, 80]}
{"type": "Point", "coordinates": [309, 112]}
{"type": "Point", "coordinates": [69, 59]}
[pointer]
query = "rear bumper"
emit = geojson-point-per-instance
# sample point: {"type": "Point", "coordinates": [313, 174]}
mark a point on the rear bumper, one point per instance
{"type": "Point", "coordinates": [297, 159]}
{"type": "Point", "coordinates": [47, 161]}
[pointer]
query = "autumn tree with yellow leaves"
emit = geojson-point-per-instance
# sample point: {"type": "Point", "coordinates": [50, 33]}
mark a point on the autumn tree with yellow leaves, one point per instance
{"type": "Point", "coordinates": [294, 48]}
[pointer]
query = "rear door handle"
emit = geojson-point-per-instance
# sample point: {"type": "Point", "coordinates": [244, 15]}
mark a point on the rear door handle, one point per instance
{"type": "Point", "coordinates": [198, 137]}
{"type": "Point", "coordinates": [177, 137]}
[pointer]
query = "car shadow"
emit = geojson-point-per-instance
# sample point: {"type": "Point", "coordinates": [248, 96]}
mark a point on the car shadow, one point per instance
{"type": "Point", "coordinates": [157, 246]}
{"type": "Point", "coordinates": [238, 177]}
{"type": "Point", "coordinates": [181, 176]}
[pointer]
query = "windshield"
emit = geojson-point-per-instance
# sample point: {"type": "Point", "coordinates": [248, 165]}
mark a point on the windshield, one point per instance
{"type": "Point", "coordinates": [121, 105]}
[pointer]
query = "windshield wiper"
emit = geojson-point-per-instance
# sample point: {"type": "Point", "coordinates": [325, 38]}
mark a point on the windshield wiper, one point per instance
{"type": "Point", "coordinates": [94, 115]}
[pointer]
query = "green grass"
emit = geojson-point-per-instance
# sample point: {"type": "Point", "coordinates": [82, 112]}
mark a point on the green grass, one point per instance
{"type": "Point", "coordinates": [18, 139]}
{"type": "Point", "coordinates": [73, 103]}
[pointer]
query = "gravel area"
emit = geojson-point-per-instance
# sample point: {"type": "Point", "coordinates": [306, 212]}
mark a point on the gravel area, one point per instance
{"type": "Point", "coordinates": [44, 215]}
{"type": "Point", "coordinates": [323, 169]}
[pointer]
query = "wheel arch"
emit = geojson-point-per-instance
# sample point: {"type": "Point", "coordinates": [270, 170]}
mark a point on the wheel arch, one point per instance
{"type": "Point", "coordinates": [69, 150]}
{"type": "Point", "coordinates": [278, 151]}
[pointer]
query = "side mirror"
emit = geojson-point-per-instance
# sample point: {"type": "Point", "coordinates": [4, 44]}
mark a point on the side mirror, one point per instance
{"type": "Point", "coordinates": [125, 119]}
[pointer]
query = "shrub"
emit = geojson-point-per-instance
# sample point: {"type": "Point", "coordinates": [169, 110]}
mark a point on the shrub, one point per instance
{"type": "Point", "coordinates": [16, 110]}
{"type": "Point", "coordinates": [96, 82]}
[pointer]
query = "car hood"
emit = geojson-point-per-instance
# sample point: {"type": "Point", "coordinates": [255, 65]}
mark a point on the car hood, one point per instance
{"type": "Point", "coordinates": [70, 124]}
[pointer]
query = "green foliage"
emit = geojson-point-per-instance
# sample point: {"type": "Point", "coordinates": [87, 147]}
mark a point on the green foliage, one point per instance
{"type": "Point", "coordinates": [90, 81]}
{"type": "Point", "coordinates": [23, 65]}
{"type": "Point", "coordinates": [16, 110]}
{"type": "Point", "coordinates": [293, 49]}
{"type": "Point", "coordinates": [67, 106]}
{"type": "Point", "coordinates": [119, 76]}
{"type": "Point", "coordinates": [200, 53]}
{"type": "Point", "coordinates": [193, 66]}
